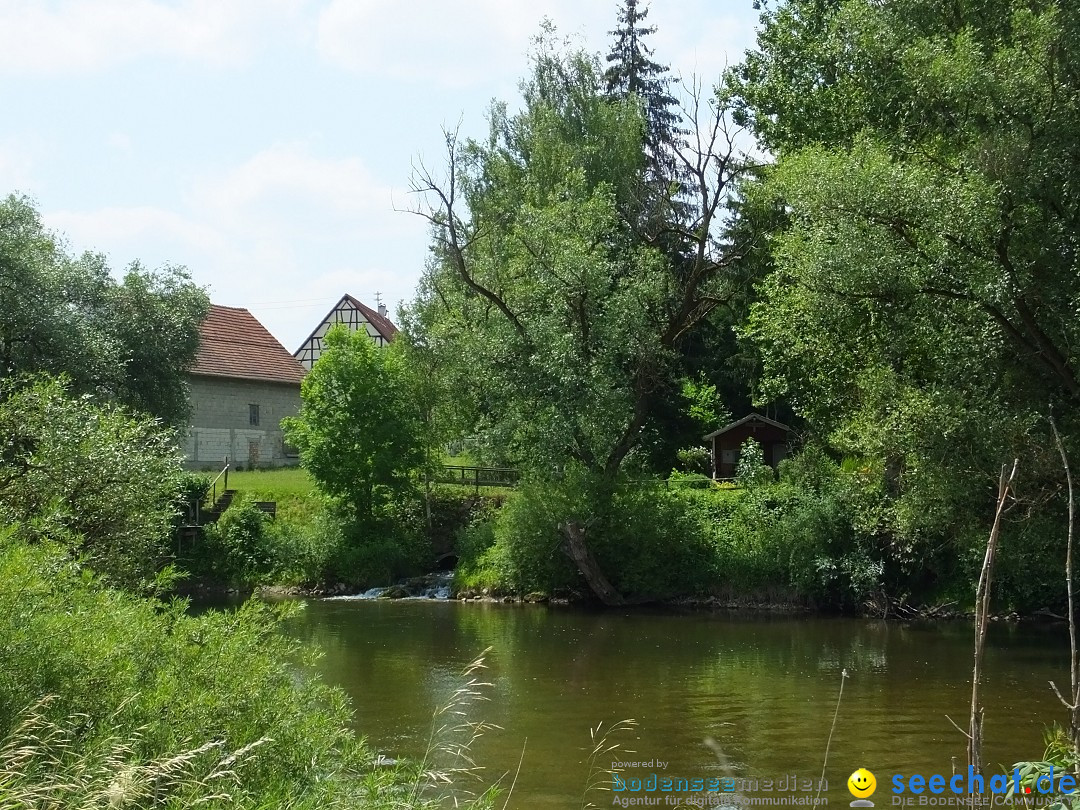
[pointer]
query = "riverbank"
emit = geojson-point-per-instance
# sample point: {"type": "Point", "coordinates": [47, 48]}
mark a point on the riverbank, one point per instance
{"type": "Point", "coordinates": [778, 546]}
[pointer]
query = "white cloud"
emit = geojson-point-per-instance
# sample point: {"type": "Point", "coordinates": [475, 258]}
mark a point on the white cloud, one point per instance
{"type": "Point", "coordinates": [451, 44]}
{"type": "Point", "coordinates": [108, 229]}
{"type": "Point", "coordinates": [84, 35]}
{"type": "Point", "coordinates": [16, 166]}
{"type": "Point", "coordinates": [344, 185]}
{"type": "Point", "coordinates": [284, 233]}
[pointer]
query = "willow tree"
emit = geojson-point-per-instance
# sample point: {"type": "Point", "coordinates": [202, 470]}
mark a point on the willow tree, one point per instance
{"type": "Point", "coordinates": [554, 315]}
{"type": "Point", "coordinates": [922, 314]}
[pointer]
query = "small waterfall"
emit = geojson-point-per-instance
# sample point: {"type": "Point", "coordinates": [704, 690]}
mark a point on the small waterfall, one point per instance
{"type": "Point", "coordinates": [430, 586]}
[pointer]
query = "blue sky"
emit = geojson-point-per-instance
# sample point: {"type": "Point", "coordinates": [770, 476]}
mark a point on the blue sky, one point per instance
{"type": "Point", "coordinates": [264, 144]}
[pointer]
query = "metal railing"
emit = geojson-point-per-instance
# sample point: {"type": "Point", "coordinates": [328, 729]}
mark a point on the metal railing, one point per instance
{"type": "Point", "coordinates": [224, 484]}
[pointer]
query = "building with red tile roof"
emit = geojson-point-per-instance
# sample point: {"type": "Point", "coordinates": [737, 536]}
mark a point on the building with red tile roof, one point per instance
{"type": "Point", "coordinates": [234, 344]}
{"type": "Point", "coordinates": [243, 383]}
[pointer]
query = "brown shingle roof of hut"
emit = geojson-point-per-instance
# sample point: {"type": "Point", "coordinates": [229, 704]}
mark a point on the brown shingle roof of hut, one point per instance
{"type": "Point", "coordinates": [754, 417]}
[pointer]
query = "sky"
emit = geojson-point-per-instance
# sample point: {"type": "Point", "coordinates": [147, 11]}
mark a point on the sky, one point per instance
{"type": "Point", "coordinates": [267, 145]}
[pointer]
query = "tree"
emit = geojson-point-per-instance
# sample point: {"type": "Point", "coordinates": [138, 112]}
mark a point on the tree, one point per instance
{"type": "Point", "coordinates": [632, 73]}
{"type": "Point", "coordinates": [88, 474]}
{"type": "Point", "coordinates": [154, 317]}
{"type": "Point", "coordinates": [922, 312]}
{"type": "Point", "coordinates": [542, 293]}
{"type": "Point", "coordinates": [130, 342]}
{"type": "Point", "coordinates": [358, 430]}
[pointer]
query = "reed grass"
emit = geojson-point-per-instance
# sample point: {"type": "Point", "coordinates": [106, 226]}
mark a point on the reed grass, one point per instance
{"type": "Point", "coordinates": [43, 766]}
{"type": "Point", "coordinates": [604, 745]}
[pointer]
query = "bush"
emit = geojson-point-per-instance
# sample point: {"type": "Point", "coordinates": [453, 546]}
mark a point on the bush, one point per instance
{"type": "Point", "coordinates": [148, 674]}
{"type": "Point", "coordinates": [239, 547]}
{"type": "Point", "coordinates": [476, 567]}
{"type": "Point", "coordinates": [693, 460]}
{"type": "Point", "coordinates": [643, 538]}
{"type": "Point", "coordinates": [752, 470]}
{"type": "Point", "coordinates": [691, 480]}
{"type": "Point", "coordinates": [526, 555]}
{"type": "Point", "coordinates": [191, 490]}
{"type": "Point", "coordinates": [91, 474]}
{"type": "Point", "coordinates": [104, 694]}
{"type": "Point", "coordinates": [652, 546]}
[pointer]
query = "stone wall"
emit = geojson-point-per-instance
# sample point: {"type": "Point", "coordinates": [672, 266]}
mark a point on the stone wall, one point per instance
{"type": "Point", "coordinates": [221, 423]}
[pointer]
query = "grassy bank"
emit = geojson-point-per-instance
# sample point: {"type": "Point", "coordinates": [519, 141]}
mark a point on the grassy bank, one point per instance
{"type": "Point", "coordinates": [817, 536]}
{"type": "Point", "coordinates": [314, 542]}
{"type": "Point", "coordinates": [108, 699]}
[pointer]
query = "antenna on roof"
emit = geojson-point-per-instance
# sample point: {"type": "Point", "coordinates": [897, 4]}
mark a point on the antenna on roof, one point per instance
{"type": "Point", "coordinates": [381, 306]}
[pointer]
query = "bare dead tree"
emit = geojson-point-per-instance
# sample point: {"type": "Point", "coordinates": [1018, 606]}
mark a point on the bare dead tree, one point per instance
{"type": "Point", "coordinates": [1073, 703]}
{"type": "Point", "coordinates": [982, 616]}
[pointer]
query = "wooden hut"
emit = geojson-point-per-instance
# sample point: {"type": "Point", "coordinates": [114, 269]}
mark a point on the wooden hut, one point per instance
{"type": "Point", "coordinates": [728, 441]}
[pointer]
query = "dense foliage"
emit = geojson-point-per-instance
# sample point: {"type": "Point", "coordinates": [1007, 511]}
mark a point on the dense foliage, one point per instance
{"type": "Point", "coordinates": [545, 300]}
{"type": "Point", "coordinates": [921, 313]}
{"type": "Point", "coordinates": [360, 435]}
{"type": "Point", "coordinates": [357, 431]}
{"type": "Point", "coordinates": [112, 700]}
{"type": "Point", "coordinates": [93, 476]}
{"type": "Point", "coordinates": [131, 341]}
{"type": "Point", "coordinates": [903, 276]}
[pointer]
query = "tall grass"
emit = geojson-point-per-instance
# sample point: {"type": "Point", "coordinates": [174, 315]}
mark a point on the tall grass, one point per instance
{"type": "Point", "coordinates": [42, 767]}
{"type": "Point", "coordinates": [447, 759]}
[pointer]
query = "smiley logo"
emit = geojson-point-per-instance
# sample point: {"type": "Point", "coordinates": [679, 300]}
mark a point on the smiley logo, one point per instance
{"type": "Point", "coordinates": [862, 784]}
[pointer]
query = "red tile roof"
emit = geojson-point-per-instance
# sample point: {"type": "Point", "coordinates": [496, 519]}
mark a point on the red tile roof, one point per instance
{"type": "Point", "coordinates": [233, 344]}
{"type": "Point", "coordinates": [382, 325]}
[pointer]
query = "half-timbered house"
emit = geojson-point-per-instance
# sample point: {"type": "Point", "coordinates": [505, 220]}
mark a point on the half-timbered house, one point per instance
{"type": "Point", "coordinates": [354, 314]}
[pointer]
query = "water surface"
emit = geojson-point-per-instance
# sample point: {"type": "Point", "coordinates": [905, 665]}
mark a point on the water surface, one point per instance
{"type": "Point", "coordinates": [765, 689]}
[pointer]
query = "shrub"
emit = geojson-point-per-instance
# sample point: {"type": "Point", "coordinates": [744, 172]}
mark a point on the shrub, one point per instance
{"type": "Point", "coordinates": [692, 480]}
{"type": "Point", "coordinates": [526, 555]}
{"type": "Point", "coordinates": [752, 469]}
{"type": "Point", "coordinates": [146, 673]}
{"type": "Point", "coordinates": [652, 546]}
{"type": "Point", "coordinates": [91, 474]}
{"type": "Point", "coordinates": [104, 694]}
{"type": "Point", "coordinates": [693, 459]}
{"type": "Point", "coordinates": [239, 546]}
{"type": "Point", "coordinates": [642, 536]}
{"type": "Point", "coordinates": [473, 544]}
{"type": "Point", "coordinates": [191, 490]}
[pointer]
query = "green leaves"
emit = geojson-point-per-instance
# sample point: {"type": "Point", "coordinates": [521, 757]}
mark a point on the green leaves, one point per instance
{"type": "Point", "coordinates": [358, 431]}
{"type": "Point", "coordinates": [131, 342]}
{"type": "Point", "coordinates": [921, 312]}
{"type": "Point", "coordinates": [92, 475]}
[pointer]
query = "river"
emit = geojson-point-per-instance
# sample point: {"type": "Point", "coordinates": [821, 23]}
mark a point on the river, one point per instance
{"type": "Point", "coordinates": [764, 688]}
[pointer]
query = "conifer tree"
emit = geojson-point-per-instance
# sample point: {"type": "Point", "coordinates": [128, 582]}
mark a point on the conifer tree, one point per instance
{"type": "Point", "coordinates": [632, 71]}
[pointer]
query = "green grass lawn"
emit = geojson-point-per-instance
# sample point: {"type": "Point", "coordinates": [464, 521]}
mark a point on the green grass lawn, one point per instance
{"type": "Point", "coordinates": [290, 487]}
{"type": "Point", "coordinates": [286, 481]}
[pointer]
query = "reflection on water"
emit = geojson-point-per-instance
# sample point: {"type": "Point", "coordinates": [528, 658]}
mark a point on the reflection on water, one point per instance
{"type": "Point", "coordinates": [764, 689]}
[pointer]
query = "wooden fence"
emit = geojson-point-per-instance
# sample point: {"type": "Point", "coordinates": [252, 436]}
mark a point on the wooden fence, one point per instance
{"type": "Point", "coordinates": [477, 477]}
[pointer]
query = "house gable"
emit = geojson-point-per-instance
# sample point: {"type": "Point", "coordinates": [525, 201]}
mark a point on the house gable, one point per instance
{"type": "Point", "coordinates": [356, 316]}
{"type": "Point", "coordinates": [242, 384]}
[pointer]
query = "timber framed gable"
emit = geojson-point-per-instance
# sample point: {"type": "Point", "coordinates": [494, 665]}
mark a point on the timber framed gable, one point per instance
{"type": "Point", "coordinates": [356, 316]}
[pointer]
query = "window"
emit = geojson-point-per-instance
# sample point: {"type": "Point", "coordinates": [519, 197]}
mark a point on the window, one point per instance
{"type": "Point", "coordinates": [253, 414]}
